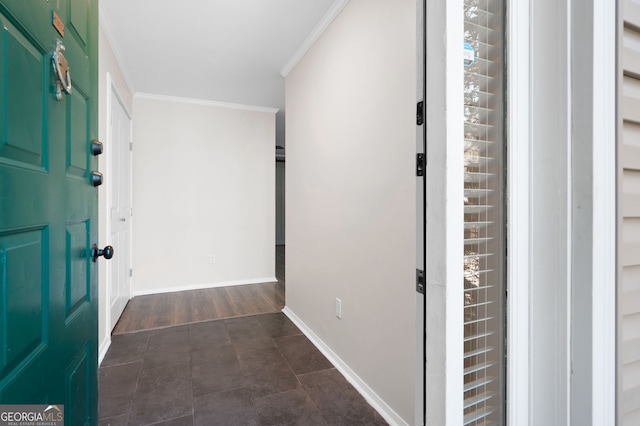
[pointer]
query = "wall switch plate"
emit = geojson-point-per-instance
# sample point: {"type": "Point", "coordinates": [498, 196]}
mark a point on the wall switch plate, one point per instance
{"type": "Point", "coordinates": [338, 308]}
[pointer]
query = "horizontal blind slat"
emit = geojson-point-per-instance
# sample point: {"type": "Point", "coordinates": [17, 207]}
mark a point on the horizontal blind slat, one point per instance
{"type": "Point", "coordinates": [477, 352]}
{"type": "Point", "coordinates": [476, 208]}
{"type": "Point", "coordinates": [478, 336]}
{"type": "Point", "coordinates": [484, 287]}
{"type": "Point", "coordinates": [476, 305]}
{"type": "Point", "coordinates": [478, 399]}
{"type": "Point", "coordinates": [478, 414]}
{"type": "Point", "coordinates": [473, 241]}
{"type": "Point", "coordinates": [477, 321]}
{"type": "Point", "coordinates": [475, 225]}
{"type": "Point", "coordinates": [478, 383]}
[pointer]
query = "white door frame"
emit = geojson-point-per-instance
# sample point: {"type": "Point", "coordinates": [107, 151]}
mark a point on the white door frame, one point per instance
{"type": "Point", "coordinates": [113, 95]}
{"type": "Point", "coordinates": [444, 213]}
{"type": "Point", "coordinates": [518, 157]}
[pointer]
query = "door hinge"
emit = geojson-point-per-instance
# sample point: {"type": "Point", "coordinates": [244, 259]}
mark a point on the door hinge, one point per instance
{"type": "Point", "coordinates": [420, 113]}
{"type": "Point", "coordinates": [130, 272]}
{"type": "Point", "coordinates": [130, 146]}
{"type": "Point", "coordinates": [420, 281]}
{"type": "Point", "coordinates": [420, 164]}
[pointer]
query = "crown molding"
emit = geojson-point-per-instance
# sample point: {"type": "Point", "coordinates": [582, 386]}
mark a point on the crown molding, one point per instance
{"type": "Point", "coordinates": [317, 32]}
{"type": "Point", "coordinates": [204, 102]}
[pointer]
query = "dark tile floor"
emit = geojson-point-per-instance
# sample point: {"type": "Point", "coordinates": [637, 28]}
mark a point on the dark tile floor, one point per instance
{"type": "Point", "coordinates": [257, 370]}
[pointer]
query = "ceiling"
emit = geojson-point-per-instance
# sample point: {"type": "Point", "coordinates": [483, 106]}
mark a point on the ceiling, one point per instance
{"type": "Point", "coordinates": [229, 51]}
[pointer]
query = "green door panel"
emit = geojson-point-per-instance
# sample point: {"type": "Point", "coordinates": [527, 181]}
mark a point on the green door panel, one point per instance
{"type": "Point", "coordinates": [23, 260]}
{"type": "Point", "coordinates": [48, 209]}
{"type": "Point", "coordinates": [22, 104]}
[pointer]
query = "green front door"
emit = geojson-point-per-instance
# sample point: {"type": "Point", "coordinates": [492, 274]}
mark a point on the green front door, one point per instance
{"type": "Point", "coordinates": [48, 208]}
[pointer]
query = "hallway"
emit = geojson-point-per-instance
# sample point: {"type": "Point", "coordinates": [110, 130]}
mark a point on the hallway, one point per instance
{"type": "Point", "coordinates": [248, 370]}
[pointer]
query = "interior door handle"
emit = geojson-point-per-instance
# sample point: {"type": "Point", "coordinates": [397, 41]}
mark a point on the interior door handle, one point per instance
{"type": "Point", "coordinates": [107, 252]}
{"type": "Point", "coordinates": [61, 70]}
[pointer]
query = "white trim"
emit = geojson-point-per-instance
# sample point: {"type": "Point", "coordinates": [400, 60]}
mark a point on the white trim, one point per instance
{"type": "Point", "coordinates": [113, 95]}
{"type": "Point", "coordinates": [107, 205]}
{"type": "Point", "coordinates": [565, 347]}
{"type": "Point", "coordinates": [360, 385]}
{"type": "Point", "coordinates": [317, 32]}
{"type": "Point", "coordinates": [604, 213]}
{"type": "Point", "coordinates": [104, 347]}
{"type": "Point", "coordinates": [145, 292]}
{"type": "Point", "coordinates": [549, 284]}
{"type": "Point", "coordinates": [204, 102]}
{"type": "Point", "coordinates": [118, 98]}
{"type": "Point", "coordinates": [108, 32]}
{"type": "Point", "coordinates": [444, 214]}
{"type": "Point", "coordinates": [518, 185]}
{"type": "Point", "coordinates": [454, 207]}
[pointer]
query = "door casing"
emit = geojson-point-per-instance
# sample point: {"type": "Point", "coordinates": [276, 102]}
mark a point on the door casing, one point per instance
{"type": "Point", "coordinates": [118, 273]}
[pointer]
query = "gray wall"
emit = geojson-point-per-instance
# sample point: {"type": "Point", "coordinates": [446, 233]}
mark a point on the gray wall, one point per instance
{"type": "Point", "coordinates": [203, 184]}
{"type": "Point", "coordinates": [350, 189]}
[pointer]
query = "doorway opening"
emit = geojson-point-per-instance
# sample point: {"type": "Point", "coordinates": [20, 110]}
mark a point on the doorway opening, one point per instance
{"type": "Point", "coordinates": [280, 213]}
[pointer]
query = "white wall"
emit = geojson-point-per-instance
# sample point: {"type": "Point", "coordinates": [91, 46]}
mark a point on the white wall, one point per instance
{"type": "Point", "coordinates": [203, 184]}
{"type": "Point", "coordinates": [107, 64]}
{"type": "Point", "coordinates": [350, 190]}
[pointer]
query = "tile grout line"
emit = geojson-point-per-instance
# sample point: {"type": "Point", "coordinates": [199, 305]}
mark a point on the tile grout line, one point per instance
{"type": "Point", "coordinates": [294, 373]}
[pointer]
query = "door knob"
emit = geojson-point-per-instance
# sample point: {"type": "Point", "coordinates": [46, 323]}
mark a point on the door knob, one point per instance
{"type": "Point", "coordinates": [107, 252]}
{"type": "Point", "coordinates": [96, 178]}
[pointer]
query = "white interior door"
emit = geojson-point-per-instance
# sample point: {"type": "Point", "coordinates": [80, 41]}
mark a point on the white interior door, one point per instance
{"type": "Point", "coordinates": [120, 209]}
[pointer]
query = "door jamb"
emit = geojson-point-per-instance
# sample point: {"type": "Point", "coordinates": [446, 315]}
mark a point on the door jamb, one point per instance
{"type": "Point", "coordinates": [111, 91]}
{"type": "Point", "coordinates": [518, 157]}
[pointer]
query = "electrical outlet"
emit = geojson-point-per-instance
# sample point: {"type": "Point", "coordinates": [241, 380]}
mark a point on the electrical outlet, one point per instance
{"type": "Point", "coordinates": [212, 259]}
{"type": "Point", "coordinates": [338, 308]}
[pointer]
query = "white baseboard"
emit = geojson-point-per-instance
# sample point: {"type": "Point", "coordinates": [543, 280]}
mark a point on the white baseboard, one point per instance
{"type": "Point", "coordinates": [372, 398]}
{"type": "Point", "coordinates": [102, 350]}
{"type": "Point", "coordinates": [204, 286]}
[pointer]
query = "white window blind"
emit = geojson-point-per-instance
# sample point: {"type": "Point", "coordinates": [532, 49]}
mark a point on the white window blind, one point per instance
{"type": "Point", "coordinates": [484, 244]}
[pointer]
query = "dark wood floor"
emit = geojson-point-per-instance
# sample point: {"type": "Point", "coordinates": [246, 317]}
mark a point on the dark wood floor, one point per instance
{"type": "Point", "coordinates": [186, 307]}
